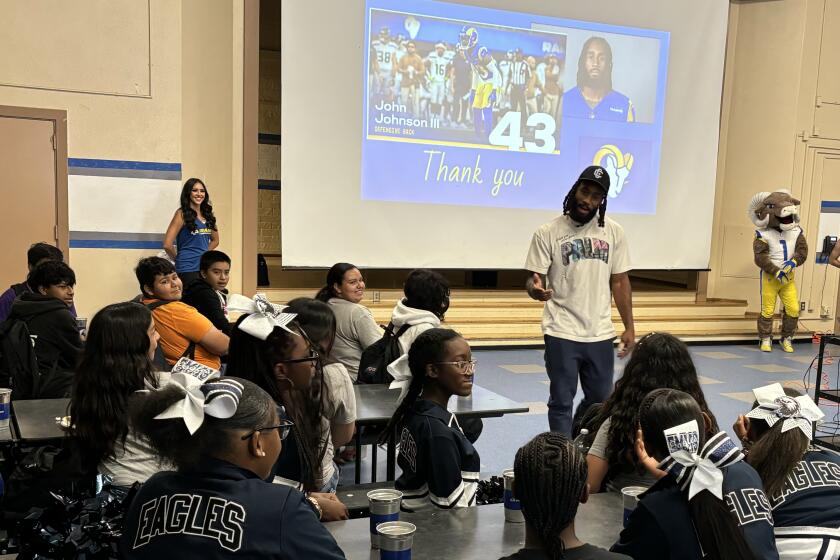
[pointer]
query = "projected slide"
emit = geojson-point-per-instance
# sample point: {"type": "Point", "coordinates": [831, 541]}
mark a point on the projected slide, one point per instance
{"type": "Point", "coordinates": [481, 107]}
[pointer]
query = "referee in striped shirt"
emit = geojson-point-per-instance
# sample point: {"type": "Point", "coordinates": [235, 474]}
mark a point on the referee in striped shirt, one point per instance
{"type": "Point", "coordinates": [520, 73]}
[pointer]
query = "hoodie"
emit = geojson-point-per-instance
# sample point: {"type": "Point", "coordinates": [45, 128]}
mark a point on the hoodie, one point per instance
{"type": "Point", "coordinates": [206, 300]}
{"type": "Point", "coordinates": [52, 326]}
{"type": "Point", "coordinates": [419, 319]}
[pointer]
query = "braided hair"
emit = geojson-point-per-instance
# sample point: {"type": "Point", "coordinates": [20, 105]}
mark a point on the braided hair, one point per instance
{"type": "Point", "coordinates": [549, 479]}
{"type": "Point", "coordinates": [570, 199]}
{"type": "Point", "coordinates": [428, 348]}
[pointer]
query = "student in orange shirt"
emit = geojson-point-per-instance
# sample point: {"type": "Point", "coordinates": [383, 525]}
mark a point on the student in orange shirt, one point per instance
{"type": "Point", "coordinates": [183, 330]}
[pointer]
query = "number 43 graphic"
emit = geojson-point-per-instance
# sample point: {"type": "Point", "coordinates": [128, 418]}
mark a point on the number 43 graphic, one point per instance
{"type": "Point", "coordinates": [508, 132]}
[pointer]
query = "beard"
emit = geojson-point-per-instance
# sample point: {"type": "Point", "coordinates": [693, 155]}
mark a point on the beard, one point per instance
{"type": "Point", "coordinates": [580, 218]}
{"type": "Point", "coordinates": [602, 82]}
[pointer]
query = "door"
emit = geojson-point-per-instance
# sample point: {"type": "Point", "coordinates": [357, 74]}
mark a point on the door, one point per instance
{"type": "Point", "coordinates": [28, 183]}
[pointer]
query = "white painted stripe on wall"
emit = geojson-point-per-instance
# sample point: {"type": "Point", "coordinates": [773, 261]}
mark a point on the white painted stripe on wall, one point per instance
{"type": "Point", "coordinates": [124, 204]}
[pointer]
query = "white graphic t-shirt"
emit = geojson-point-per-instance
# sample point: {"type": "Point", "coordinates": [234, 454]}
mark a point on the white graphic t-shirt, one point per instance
{"type": "Point", "coordinates": [578, 261]}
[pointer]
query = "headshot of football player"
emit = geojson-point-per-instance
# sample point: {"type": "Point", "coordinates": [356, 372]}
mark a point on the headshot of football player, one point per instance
{"type": "Point", "coordinates": [594, 96]}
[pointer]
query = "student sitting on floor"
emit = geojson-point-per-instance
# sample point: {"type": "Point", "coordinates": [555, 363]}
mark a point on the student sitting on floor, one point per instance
{"type": "Point", "coordinates": [184, 332]}
{"type": "Point", "coordinates": [440, 467]}
{"type": "Point", "coordinates": [802, 482]}
{"type": "Point", "coordinates": [37, 253]}
{"type": "Point", "coordinates": [116, 362]}
{"type": "Point", "coordinates": [217, 504]}
{"type": "Point", "coordinates": [708, 502]}
{"type": "Point", "coordinates": [269, 348]}
{"type": "Point", "coordinates": [550, 482]}
{"type": "Point", "coordinates": [338, 401]}
{"type": "Point", "coordinates": [208, 293]}
{"type": "Point", "coordinates": [659, 360]}
{"type": "Point", "coordinates": [52, 328]}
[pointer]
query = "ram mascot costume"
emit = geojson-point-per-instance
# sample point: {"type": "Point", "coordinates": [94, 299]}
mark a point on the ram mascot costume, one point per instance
{"type": "Point", "coordinates": [779, 249]}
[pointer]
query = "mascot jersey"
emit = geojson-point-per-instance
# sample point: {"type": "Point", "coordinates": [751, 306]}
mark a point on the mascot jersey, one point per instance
{"type": "Point", "coordinates": [780, 244]}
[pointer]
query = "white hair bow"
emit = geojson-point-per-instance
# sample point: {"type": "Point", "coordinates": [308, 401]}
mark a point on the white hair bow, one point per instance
{"type": "Point", "coordinates": [210, 395]}
{"type": "Point", "coordinates": [401, 373]}
{"type": "Point", "coordinates": [264, 315]}
{"type": "Point", "coordinates": [797, 412]}
{"type": "Point", "coordinates": [695, 472]}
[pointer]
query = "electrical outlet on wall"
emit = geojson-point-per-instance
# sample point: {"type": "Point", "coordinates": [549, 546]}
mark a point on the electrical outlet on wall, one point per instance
{"type": "Point", "coordinates": [801, 306]}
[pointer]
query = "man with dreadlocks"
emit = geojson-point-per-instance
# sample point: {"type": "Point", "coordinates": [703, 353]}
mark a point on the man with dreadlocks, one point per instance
{"type": "Point", "coordinates": [575, 263]}
{"type": "Point", "coordinates": [550, 482]}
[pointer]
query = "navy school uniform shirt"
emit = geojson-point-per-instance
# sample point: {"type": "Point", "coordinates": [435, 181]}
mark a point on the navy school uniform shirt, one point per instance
{"type": "Point", "coordinates": [439, 464]}
{"type": "Point", "coordinates": [661, 527]}
{"type": "Point", "coordinates": [807, 511]}
{"type": "Point", "coordinates": [219, 510]}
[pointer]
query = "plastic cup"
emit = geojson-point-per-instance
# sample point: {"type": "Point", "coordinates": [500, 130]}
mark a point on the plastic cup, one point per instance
{"type": "Point", "coordinates": [384, 507]}
{"type": "Point", "coordinates": [5, 408]}
{"type": "Point", "coordinates": [630, 497]}
{"type": "Point", "coordinates": [395, 539]}
{"type": "Point", "coordinates": [513, 509]}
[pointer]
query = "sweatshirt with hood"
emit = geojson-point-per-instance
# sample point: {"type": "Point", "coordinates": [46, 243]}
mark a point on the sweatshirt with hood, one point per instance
{"type": "Point", "coordinates": [51, 324]}
{"type": "Point", "coordinates": [208, 302]}
{"type": "Point", "coordinates": [419, 319]}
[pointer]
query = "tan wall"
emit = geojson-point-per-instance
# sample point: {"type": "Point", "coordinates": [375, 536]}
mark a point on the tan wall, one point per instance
{"type": "Point", "coordinates": [768, 140]}
{"type": "Point", "coordinates": [141, 80]}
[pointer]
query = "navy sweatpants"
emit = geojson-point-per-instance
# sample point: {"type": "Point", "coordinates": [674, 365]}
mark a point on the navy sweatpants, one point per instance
{"type": "Point", "coordinates": [565, 361]}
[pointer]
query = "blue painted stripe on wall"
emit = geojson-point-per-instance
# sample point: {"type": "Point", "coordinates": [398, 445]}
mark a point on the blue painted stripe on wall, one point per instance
{"type": "Point", "coordinates": [120, 164]}
{"type": "Point", "coordinates": [114, 244]}
{"type": "Point", "coordinates": [268, 185]}
{"type": "Point", "coordinates": [826, 204]}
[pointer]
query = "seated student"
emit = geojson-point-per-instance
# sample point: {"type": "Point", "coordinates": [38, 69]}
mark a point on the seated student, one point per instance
{"type": "Point", "coordinates": [423, 307]}
{"type": "Point", "coordinates": [217, 504]}
{"type": "Point", "coordinates": [708, 502]}
{"type": "Point", "coordinates": [116, 362]}
{"type": "Point", "coordinates": [355, 327]}
{"type": "Point", "coordinates": [550, 482]}
{"type": "Point", "coordinates": [659, 360]}
{"type": "Point", "coordinates": [46, 312]}
{"type": "Point", "coordinates": [802, 482]}
{"type": "Point", "coordinates": [338, 401]}
{"type": "Point", "coordinates": [439, 464]}
{"type": "Point", "coordinates": [208, 293]}
{"type": "Point", "coordinates": [269, 348]}
{"type": "Point", "coordinates": [37, 253]}
{"type": "Point", "coordinates": [183, 330]}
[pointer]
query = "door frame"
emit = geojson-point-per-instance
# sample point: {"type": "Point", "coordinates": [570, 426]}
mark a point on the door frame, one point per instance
{"type": "Point", "coordinates": [59, 120]}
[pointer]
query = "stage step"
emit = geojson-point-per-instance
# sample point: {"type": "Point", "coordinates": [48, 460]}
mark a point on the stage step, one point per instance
{"type": "Point", "coordinates": [510, 317]}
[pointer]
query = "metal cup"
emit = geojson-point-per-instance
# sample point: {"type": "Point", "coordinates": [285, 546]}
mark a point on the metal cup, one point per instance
{"type": "Point", "coordinates": [5, 408]}
{"type": "Point", "coordinates": [513, 509]}
{"type": "Point", "coordinates": [630, 497]}
{"type": "Point", "coordinates": [384, 507]}
{"type": "Point", "coordinates": [395, 539]}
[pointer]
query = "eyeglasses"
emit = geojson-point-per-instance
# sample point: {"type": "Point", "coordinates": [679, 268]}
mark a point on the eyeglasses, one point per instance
{"type": "Point", "coordinates": [312, 357]}
{"type": "Point", "coordinates": [285, 427]}
{"type": "Point", "coordinates": [466, 366]}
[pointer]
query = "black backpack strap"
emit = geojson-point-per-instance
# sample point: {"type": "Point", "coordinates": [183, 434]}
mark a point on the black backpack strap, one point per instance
{"type": "Point", "coordinates": [189, 352]}
{"type": "Point", "coordinates": [155, 304]}
{"type": "Point", "coordinates": [403, 328]}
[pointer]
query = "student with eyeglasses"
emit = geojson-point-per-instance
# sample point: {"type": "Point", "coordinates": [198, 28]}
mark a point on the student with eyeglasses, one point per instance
{"type": "Point", "coordinates": [217, 503]}
{"type": "Point", "coordinates": [439, 464]}
{"type": "Point", "coordinates": [269, 348]}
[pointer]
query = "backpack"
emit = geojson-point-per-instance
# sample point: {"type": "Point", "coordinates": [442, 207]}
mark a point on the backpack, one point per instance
{"type": "Point", "coordinates": [373, 366]}
{"type": "Point", "coordinates": [20, 289]}
{"type": "Point", "coordinates": [18, 363]}
{"type": "Point", "coordinates": [159, 361]}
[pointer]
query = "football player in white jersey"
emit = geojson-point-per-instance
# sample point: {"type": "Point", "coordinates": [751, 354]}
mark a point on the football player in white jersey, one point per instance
{"type": "Point", "coordinates": [504, 69]}
{"type": "Point", "coordinates": [436, 71]}
{"type": "Point", "coordinates": [386, 58]}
